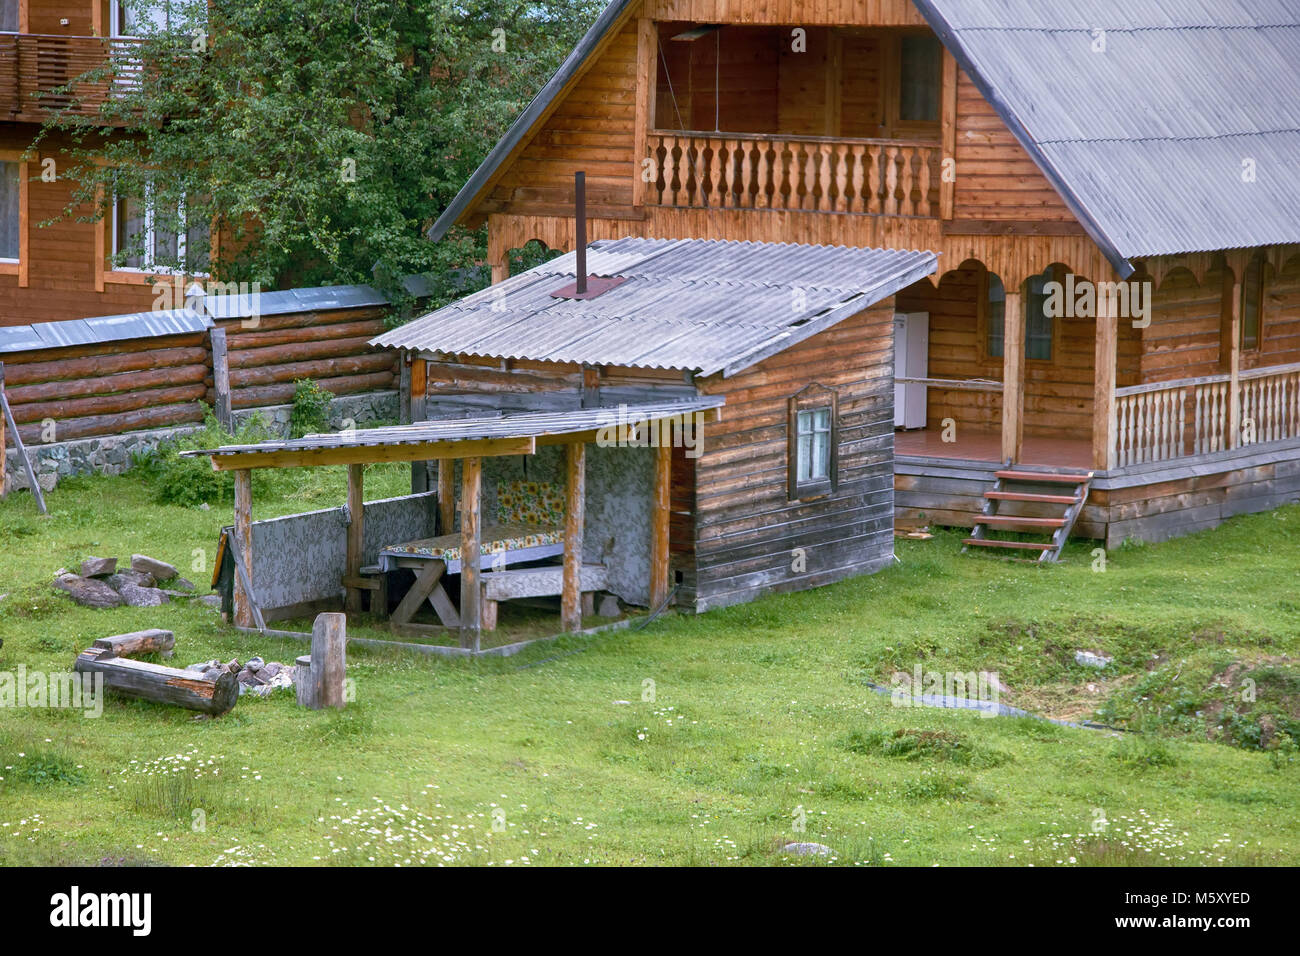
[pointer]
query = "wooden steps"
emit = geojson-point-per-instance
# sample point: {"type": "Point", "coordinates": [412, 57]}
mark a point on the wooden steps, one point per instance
{"type": "Point", "coordinates": [1007, 490]}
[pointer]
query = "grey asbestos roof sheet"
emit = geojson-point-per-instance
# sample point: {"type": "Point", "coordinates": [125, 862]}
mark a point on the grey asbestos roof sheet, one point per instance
{"type": "Point", "coordinates": [692, 304]}
{"type": "Point", "coordinates": [1148, 138]}
{"type": "Point", "coordinates": [103, 328]}
{"type": "Point", "coordinates": [522, 425]}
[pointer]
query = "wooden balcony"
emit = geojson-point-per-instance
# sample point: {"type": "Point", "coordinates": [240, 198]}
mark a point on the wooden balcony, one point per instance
{"type": "Point", "coordinates": [36, 70]}
{"type": "Point", "coordinates": [870, 177]}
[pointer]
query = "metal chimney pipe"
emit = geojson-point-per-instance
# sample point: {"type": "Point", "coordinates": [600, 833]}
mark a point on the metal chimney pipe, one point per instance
{"type": "Point", "coordinates": [580, 229]}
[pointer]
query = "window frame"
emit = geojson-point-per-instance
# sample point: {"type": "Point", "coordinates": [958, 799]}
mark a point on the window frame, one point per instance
{"type": "Point", "coordinates": [1257, 285]}
{"type": "Point", "coordinates": [18, 267]}
{"type": "Point", "coordinates": [147, 267]}
{"type": "Point", "coordinates": [812, 398]}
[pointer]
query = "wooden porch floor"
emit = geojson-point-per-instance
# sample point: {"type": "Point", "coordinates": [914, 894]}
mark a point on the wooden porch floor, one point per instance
{"type": "Point", "coordinates": [987, 446]}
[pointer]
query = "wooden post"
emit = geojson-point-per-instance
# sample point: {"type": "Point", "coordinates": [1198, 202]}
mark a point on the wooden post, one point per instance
{"type": "Point", "coordinates": [1013, 376]}
{"type": "Point", "coordinates": [404, 390]}
{"type": "Point", "coordinates": [575, 497]}
{"type": "Point", "coordinates": [221, 379]}
{"type": "Point", "coordinates": [647, 51]}
{"type": "Point", "coordinates": [1103, 400]}
{"type": "Point", "coordinates": [7, 415]}
{"type": "Point", "coordinates": [329, 639]}
{"type": "Point", "coordinates": [356, 533]}
{"type": "Point", "coordinates": [4, 451]}
{"type": "Point", "coordinates": [659, 522]}
{"type": "Point", "coordinates": [948, 94]}
{"type": "Point", "coordinates": [244, 539]}
{"type": "Point", "coordinates": [471, 623]}
{"type": "Point", "coordinates": [1234, 364]}
{"type": "Point", "coordinates": [416, 400]}
{"type": "Point", "coordinates": [446, 496]}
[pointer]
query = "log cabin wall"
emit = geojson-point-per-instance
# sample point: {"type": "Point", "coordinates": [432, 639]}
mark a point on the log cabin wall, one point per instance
{"type": "Point", "coordinates": [1280, 333]}
{"type": "Point", "coordinates": [747, 529]}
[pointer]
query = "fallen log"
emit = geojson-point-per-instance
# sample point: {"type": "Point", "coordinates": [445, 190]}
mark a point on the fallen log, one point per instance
{"type": "Point", "coordinates": [152, 641]}
{"type": "Point", "coordinates": [163, 685]}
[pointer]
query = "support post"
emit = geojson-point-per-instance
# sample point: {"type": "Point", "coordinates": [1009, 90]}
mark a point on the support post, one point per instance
{"type": "Point", "coordinates": [446, 496]}
{"type": "Point", "coordinates": [647, 50]}
{"type": "Point", "coordinates": [356, 534]}
{"type": "Point", "coordinates": [659, 523]}
{"type": "Point", "coordinates": [1234, 364]}
{"type": "Point", "coordinates": [4, 451]}
{"type": "Point", "coordinates": [471, 623]}
{"type": "Point", "coordinates": [323, 686]}
{"type": "Point", "coordinates": [575, 496]}
{"type": "Point", "coordinates": [500, 271]}
{"type": "Point", "coordinates": [1013, 376]}
{"type": "Point", "coordinates": [221, 379]}
{"type": "Point", "coordinates": [244, 539]}
{"type": "Point", "coordinates": [415, 390]}
{"type": "Point", "coordinates": [1103, 400]}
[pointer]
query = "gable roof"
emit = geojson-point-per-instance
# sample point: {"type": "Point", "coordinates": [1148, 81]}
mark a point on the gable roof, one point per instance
{"type": "Point", "coordinates": [1146, 140]}
{"type": "Point", "coordinates": [701, 305]}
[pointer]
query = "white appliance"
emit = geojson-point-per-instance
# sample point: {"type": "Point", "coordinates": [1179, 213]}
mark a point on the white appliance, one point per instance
{"type": "Point", "coordinates": [911, 360]}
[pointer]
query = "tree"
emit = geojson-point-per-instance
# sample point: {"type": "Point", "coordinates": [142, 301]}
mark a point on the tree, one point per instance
{"type": "Point", "coordinates": [321, 137]}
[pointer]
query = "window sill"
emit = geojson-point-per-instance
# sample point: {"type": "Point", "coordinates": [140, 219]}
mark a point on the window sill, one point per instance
{"type": "Point", "coordinates": [9, 267]}
{"type": "Point", "coordinates": [140, 277]}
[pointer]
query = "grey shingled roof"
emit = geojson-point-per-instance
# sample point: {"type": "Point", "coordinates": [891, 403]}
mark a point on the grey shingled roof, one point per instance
{"type": "Point", "coordinates": [1147, 140]}
{"type": "Point", "coordinates": [693, 304]}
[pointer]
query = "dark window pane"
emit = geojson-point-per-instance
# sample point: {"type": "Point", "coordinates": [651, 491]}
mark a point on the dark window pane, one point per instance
{"type": "Point", "coordinates": [1252, 300]}
{"type": "Point", "coordinates": [9, 210]}
{"type": "Point", "coordinates": [997, 316]}
{"type": "Point", "coordinates": [1038, 326]}
{"type": "Point", "coordinates": [9, 16]}
{"type": "Point", "coordinates": [921, 69]}
{"type": "Point", "coordinates": [129, 234]}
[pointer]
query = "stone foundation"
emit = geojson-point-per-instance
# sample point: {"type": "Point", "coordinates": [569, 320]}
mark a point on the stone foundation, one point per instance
{"type": "Point", "coordinates": [112, 454]}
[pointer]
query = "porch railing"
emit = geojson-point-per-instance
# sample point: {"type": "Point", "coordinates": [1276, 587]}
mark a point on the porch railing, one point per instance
{"type": "Point", "coordinates": [812, 173]}
{"type": "Point", "coordinates": [36, 70]}
{"type": "Point", "coordinates": [1193, 416]}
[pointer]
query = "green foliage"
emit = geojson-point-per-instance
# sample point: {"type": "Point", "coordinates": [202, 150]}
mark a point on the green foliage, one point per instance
{"type": "Point", "coordinates": [324, 137]}
{"type": "Point", "coordinates": [311, 408]}
{"type": "Point", "coordinates": [912, 744]}
{"type": "Point", "coordinates": [45, 769]}
{"type": "Point", "coordinates": [192, 481]}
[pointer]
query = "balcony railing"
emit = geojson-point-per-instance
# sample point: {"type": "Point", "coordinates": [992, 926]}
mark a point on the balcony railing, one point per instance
{"type": "Point", "coordinates": [36, 70]}
{"type": "Point", "coordinates": [812, 173]}
{"type": "Point", "coordinates": [1192, 416]}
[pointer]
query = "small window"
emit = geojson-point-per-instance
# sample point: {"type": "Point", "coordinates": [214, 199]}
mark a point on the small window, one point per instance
{"type": "Point", "coordinates": [9, 190]}
{"type": "Point", "coordinates": [812, 442]}
{"type": "Point", "coordinates": [995, 316]}
{"type": "Point", "coordinates": [9, 16]}
{"type": "Point", "coordinates": [1038, 324]}
{"type": "Point", "coordinates": [1252, 303]}
{"type": "Point", "coordinates": [920, 78]}
{"type": "Point", "coordinates": [145, 241]}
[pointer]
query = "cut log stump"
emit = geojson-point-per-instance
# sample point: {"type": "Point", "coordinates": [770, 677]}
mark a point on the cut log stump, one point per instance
{"type": "Point", "coordinates": [153, 641]}
{"type": "Point", "coordinates": [321, 685]}
{"type": "Point", "coordinates": [164, 685]}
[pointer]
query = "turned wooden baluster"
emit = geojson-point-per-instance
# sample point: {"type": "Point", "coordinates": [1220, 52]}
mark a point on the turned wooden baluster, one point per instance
{"type": "Point", "coordinates": [778, 175]}
{"type": "Point", "coordinates": [891, 182]}
{"type": "Point", "coordinates": [684, 173]}
{"type": "Point", "coordinates": [923, 207]}
{"type": "Point", "coordinates": [859, 176]}
{"type": "Point", "coordinates": [906, 176]}
{"type": "Point", "coordinates": [841, 178]}
{"type": "Point", "coordinates": [824, 177]}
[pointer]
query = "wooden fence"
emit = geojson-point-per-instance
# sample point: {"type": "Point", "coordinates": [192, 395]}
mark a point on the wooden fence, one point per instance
{"type": "Point", "coordinates": [106, 389]}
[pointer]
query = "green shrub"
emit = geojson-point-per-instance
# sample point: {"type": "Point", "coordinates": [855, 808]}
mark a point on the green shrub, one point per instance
{"type": "Point", "coordinates": [311, 408]}
{"type": "Point", "coordinates": [192, 481]}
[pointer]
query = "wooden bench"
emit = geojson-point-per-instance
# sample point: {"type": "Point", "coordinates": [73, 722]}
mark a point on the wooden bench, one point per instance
{"type": "Point", "coordinates": [536, 582]}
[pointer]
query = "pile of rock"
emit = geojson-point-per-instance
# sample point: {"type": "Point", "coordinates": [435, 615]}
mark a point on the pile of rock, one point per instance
{"type": "Point", "coordinates": [257, 676]}
{"type": "Point", "coordinates": [102, 584]}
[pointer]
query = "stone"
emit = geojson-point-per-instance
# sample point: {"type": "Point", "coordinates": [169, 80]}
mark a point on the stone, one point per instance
{"type": "Point", "coordinates": [183, 584]}
{"type": "Point", "coordinates": [211, 600]}
{"type": "Point", "coordinates": [127, 576]}
{"type": "Point", "coordinates": [1091, 659]}
{"type": "Point", "coordinates": [136, 596]}
{"type": "Point", "coordinates": [807, 849]}
{"type": "Point", "coordinates": [161, 570]}
{"type": "Point", "coordinates": [98, 567]}
{"type": "Point", "coordinates": [88, 592]}
{"type": "Point", "coordinates": [609, 606]}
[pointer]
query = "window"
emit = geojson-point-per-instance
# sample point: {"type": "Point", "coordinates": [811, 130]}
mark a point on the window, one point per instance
{"type": "Point", "coordinates": [145, 241]}
{"type": "Point", "coordinates": [1252, 303]}
{"type": "Point", "coordinates": [1038, 324]}
{"type": "Point", "coordinates": [995, 314]}
{"type": "Point", "coordinates": [9, 16]}
{"type": "Point", "coordinates": [133, 18]}
{"type": "Point", "coordinates": [9, 191]}
{"type": "Point", "coordinates": [813, 441]}
{"type": "Point", "coordinates": [920, 67]}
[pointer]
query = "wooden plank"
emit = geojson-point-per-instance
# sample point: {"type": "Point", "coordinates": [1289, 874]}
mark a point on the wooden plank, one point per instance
{"type": "Point", "coordinates": [356, 533]}
{"type": "Point", "coordinates": [446, 496]}
{"type": "Point", "coordinates": [539, 582]}
{"type": "Point", "coordinates": [242, 549]}
{"type": "Point", "coordinates": [18, 445]}
{"type": "Point", "coordinates": [1013, 376]}
{"type": "Point", "coordinates": [471, 547]}
{"type": "Point", "coordinates": [425, 581]}
{"type": "Point", "coordinates": [575, 493]}
{"type": "Point", "coordinates": [221, 379]}
{"type": "Point", "coordinates": [417, 451]}
{"type": "Point", "coordinates": [660, 517]}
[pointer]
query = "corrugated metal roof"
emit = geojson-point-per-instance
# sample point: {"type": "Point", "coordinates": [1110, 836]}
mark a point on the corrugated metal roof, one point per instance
{"type": "Point", "coordinates": [316, 299]}
{"type": "Point", "coordinates": [1147, 139]}
{"type": "Point", "coordinates": [103, 328]}
{"type": "Point", "coordinates": [522, 425]}
{"type": "Point", "coordinates": [692, 304]}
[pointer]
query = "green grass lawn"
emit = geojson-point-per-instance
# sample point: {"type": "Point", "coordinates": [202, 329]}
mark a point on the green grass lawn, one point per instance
{"type": "Point", "coordinates": [761, 729]}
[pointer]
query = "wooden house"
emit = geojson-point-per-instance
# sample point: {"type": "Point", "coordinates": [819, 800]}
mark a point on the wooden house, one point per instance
{"type": "Point", "coordinates": [1113, 201]}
